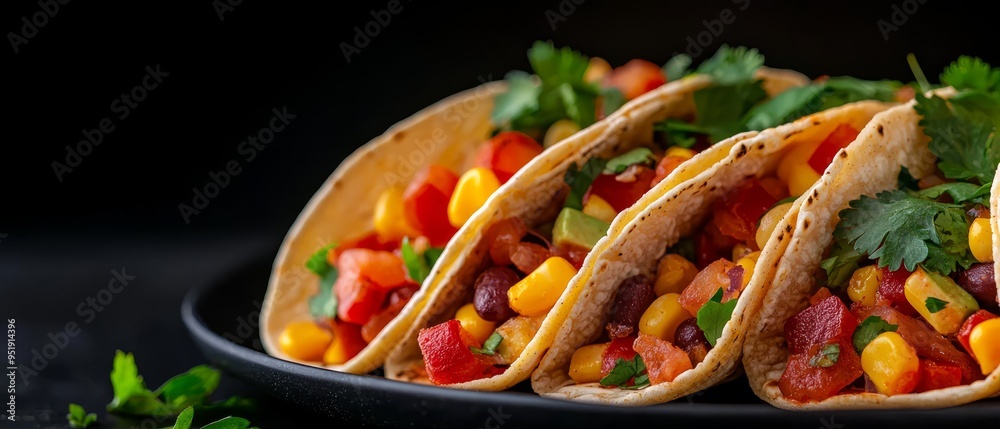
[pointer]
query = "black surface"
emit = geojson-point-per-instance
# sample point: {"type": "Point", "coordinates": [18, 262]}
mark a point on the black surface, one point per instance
{"type": "Point", "coordinates": [219, 330]}
{"type": "Point", "coordinates": [119, 207]}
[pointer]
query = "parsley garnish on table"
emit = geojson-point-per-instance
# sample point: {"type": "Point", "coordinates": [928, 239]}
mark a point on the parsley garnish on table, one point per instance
{"type": "Point", "coordinates": [186, 417]}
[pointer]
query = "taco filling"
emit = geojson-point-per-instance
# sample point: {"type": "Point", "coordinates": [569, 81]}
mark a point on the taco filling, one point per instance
{"type": "Point", "coordinates": [366, 281]}
{"type": "Point", "coordinates": [531, 266]}
{"type": "Point", "coordinates": [909, 300]}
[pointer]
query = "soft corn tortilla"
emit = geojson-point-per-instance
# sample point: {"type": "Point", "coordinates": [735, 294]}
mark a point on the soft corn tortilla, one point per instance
{"type": "Point", "coordinates": [870, 165]}
{"type": "Point", "coordinates": [447, 133]}
{"type": "Point", "coordinates": [529, 195]}
{"type": "Point", "coordinates": [668, 215]}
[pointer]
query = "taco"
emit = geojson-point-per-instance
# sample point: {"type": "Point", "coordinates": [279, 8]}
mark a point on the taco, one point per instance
{"type": "Point", "coordinates": [354, 267]}
{"type": "Point", "coordinates": [525, 257]}
{"type": "Point", "coordinates": [886, 294]}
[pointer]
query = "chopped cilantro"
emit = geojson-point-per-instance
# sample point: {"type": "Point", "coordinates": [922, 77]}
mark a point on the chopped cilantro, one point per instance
{"type": "Point", "coordinates": [841, 264]}
{"type": "Point", "coordinates": [826, 357]}
{"type": "Point", "coordinates": [419, 266]}
{"type": "Point", "coordinates": [579, 180]}
{"type": "Point", "coordinates": [713, 316]}
{"type": "Point", "coordinates": [323, 305]}
{"type": "Point", "coordinates": [611, 99]}
{"type": "Point", "coordinates": [639, 155]}
{"type": "Point", "coordinates": [317, 263]}
{"type": "Point", "coordinates": [677, 67]}
{"type": "Point", "coordinates": [489, 346]}
{"type": "Point", "coordinates": [79, 418]}
{"type": "Point", "coordinates": [870, 328]}
{"type": "Point", "coordinates": [624, 371]}
{"type": "Point", "coordinates": [935, 305]}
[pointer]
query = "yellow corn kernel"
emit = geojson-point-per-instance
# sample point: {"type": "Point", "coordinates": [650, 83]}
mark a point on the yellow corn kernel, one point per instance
{"type": "Point", "coordinates": [663, 316]}
{"type": "Point", "coordinates": [863, 285]}
{"type": "Point", "coordinates": [680, 152]}
{"type": "Point", "coordinates": [740, 250]}
{"type": "Point", "coordinates": [770, 221]}
{"type": "Point", "coordinates": [473, 324]}
{"type": "Point", "coordinates": [599, 208]}
{"type": "Point", "coordinates": [559, 131]}
{"type": "Point", "coordinates": [304, 340]}
{"type": "Point", "coordinates": [597, 69]}
{"type": "Point", "coordinates": [801, 178]}
{"type": "Point", "coordinates": [890, 363]}
{"type": "Point", "coordinates": [471, 192]}
{"type": "Point", "coordinates": [517, 332]}
{"type": "Point", "coordinates": [981, 240]}
{"type": "Point", "coordinates": [673, 274]}
{"type": "Point", "coordinates": [585, 366]}
{"type": "Point", "coordinates": [798, 155]}
{"type": "Point", "coordinates": [985, 344]}
{"type": "Point", "coordinates": [537, 292]}
{"type": "Point", "coordinates": [390, 222]}
{"type": "Point", "coordinates": [748, 263]}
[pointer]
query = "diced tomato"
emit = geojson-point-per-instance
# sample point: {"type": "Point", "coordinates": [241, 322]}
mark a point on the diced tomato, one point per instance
{"type": "Point", "coordinates": [929, 343]}
{"type": "Point", "coordinates": [448, 359]}
{"type": "Point", "coordinates": [425, 203]}
{"type": "Point", "coordinates": [803, 382]}
{"type": "Point", "coordinates": [384, 269]}
{"type": "Point", "coordinates": [506, 153]}
{"type": "Point", "coordinates": [737, 214]}
{"type": "Point", "coordinates": [348, 338]}
{"type": "Point", "coordinates": [664, 361]}
{"type": "Point", "coordinates": [622, 195]}
{"type": "Point", "coordinates": [890, 290]}
{"type": "Point", "coordinates": [575, 255]}
{"type": "Point", "coordinates": [635, 78]}
{"type": "Point", "coordinates": [842, 136]}
{"type": "Point", "coordinates": [819, 296]}
{"type": "Point", "coordinates": [357, 298]}
{"type": "Point", "coordinates": [620, 348]}
{"type": "Point", "coordinates": [503, 238]}
{"type": "Point", "coordinates": [368, 241]}
{"type": "Point", "coordinates": [397, 300]}
{"type": "Point", "coordinates": [935, 376]}
{"type": "Point", "coordinates": [666, 166]}
{"type": "Point", "coordinates": [966, 330]}
{"type": "Point", "coordinates": [826, 322]}
{"type": "Point", "coordinates": [705, 284]}
{"type": "Point", "coordinates": [528, 256]}
{"type": "Point", "coordinates": [712, 245]}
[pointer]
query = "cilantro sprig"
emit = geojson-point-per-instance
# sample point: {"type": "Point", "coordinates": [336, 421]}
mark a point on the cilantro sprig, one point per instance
{"type": "Point", "coordinates": [186, 417]}
{"type": "Point", "coordinates": [935, 305]}
{"type": "Point", "coordinates": [489, 346]}
{"type": "Point", "coordinates": [190, 389]}
{"type": "Point", "coordinates": [626, 370]}
{"type": "Point", "coordinates": [870, 328]}
{"type": "Point", "coordinates": [323, 305]}
{"type": "Point", "coordinates": [579, 180]}
{"type": "Point", "coordinates": [826, 357]}
{"type": "Point", "coordinates": [560, 92]}
{"type": "Point", "coordinates": [815, 97]}
{"type": "Point", "coordinates": [713, 316]}
{"type": "Point", "coordinates": [419, 265]}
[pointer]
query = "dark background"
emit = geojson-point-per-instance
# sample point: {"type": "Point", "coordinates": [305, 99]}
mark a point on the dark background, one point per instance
{"type": "Point", "coordinates": [118, 208]}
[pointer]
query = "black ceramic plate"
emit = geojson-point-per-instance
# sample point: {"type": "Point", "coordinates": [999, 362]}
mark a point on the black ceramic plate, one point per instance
{"type": "Point", "coordinates": [222, 318]}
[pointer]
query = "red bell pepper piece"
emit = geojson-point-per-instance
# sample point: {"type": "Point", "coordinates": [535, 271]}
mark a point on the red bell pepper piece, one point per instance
{"type": "Point", "coordinates": [425, 203]}
{"type": "Point", "coordinates": [622, 195]}
{"type": "Point", "coordinates": [447, 356]}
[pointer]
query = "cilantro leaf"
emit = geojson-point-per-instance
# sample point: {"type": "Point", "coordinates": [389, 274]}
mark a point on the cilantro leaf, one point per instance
{"type": "Point", "coordinates": [79, 418]}
{"type": "Point", "coordinates": [898, 229]}
{"type": "Point", "coordinates": [870, 328]}
{"type": "Point", "coordinates": [971, 73]}
{"type": "Point", "coordinates": [678, 133]}
{"type": "Point", "coordinates": [797, 102]}
{"type": "Point", "coordinates": [419, 265]}
{"type": "Point", "coordinates": [640, 382]}
{"type": "Point", "coordinates": [624, 371]}
{"type": "Point", "coordinates": [962, 139]}
{"type": "Point", "coordinates": [639, 155]}
{"type": "Point", "coordinates": [732, 65]}
{"type": "Point", "coordinates": [317, 262]}
{"type": "Point", "coordinates": [935, 305]}
{"type": "Point", "coordinates": [611, 99]}
{"type": "Point", "coordinates": [323, 305]}
{"type": "Point", "coordinates": [579, 180]}
{"type": "Point", "coordinates": [184, 419]}
{"type": "Point", "coordinates": [685, 248]}
{"type": "Point", "coordinates": [520, 98]}
{"type": "Point", "coordinates": [190, 388]}
{"type": "Point", "coordinates": [489, 346]}
{"type": "Point", "coordinates": [714, 315]}
{"type": "Point", "coordinates": [841, 264]}
{"type": "Point", "coordinates": [187, 416]}
{"type": "Point", "coordinates": [721, 107]}
{"type": "Point", "coordinates": [959, 192]}
{"type": "Point", "coordinates": [827, 356]}
{"type": "Point", "coordinates": [906, 180]}
{"type": "Point", "coordinates": [677, 67]}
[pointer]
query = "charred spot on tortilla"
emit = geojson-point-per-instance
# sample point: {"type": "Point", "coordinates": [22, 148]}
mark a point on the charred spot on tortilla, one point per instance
{"type": "Point", "coordinates": [743, 151]}
{"type": "Point", "coordinates": [880, 129]}
{"type": "Point", "coordinates": [787, 136]}
{"type": "Point", "coordinates": [843, 154]}
{"type": "Point", "coordinates": [760, 146]}
{"type": "Point", "coordinates": [703, 184]}
{"type": "Point", "coordinates": [809, 200]}
{"type": "Point", "coordinates": [805, 224]}
{"type": "Point", "coordinates": [788, 228]}
{"type": "Point", "coordinates": [815, 123]}
{"type": "Point", "coordinates": [712, 189]}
